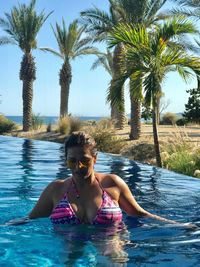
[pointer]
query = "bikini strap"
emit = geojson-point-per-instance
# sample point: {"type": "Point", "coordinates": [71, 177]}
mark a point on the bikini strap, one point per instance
{"type": "Point", "coordinates": [75, 188]}
{"type": "Point", "coordinates": [99, 184]}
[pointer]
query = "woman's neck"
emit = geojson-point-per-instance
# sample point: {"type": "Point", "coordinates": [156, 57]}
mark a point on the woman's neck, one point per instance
{"type": "Point", "coordinates": [81, 182]}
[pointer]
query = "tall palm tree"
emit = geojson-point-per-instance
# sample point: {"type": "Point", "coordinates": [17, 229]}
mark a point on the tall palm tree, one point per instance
{"type": "Point", "coordinates": [146, 13]}
{"type": "Point", "coordinates": [150, 57]}
{"type": "Point", "coordinates": [71, 45]}
{"type": "Point", "coordinates": [98, 24]}
{"type": "Point", "coordinates": [22, 25]}
{"type": "Point", "coordinates": [101, 23]}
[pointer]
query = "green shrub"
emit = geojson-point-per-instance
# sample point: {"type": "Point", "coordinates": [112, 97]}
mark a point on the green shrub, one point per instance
{"type": "Point", "coordinates": [183, 162]}
{"type": "Point", "coordinates": [181, 122]}
{"type": "Point", "coordinates": [169, 118]}
{"type": "Point", "coordinates": [64, 125]}
{"type": "Point", "coordinates": [36, 121]}
{"type": "Point", "coordinates": [180, 155]}
{"type": "Point", "coordinates": [6, 125]}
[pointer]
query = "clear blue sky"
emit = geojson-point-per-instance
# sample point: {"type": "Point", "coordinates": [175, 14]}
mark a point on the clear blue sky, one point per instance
{"type": "Point", "coordinates": [88, 88]}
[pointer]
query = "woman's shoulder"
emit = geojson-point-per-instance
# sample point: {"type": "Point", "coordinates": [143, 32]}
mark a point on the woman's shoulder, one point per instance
{"type": "Point", "coordinates": [59, 186]}
{"type": "Point", "coordinates": [109, 179]}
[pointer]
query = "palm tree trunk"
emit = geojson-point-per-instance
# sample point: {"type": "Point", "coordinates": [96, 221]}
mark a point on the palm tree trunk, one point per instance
{"type": "Point", "coordinates": [158, 110]}
{"type": "Point", "coordinates": [64, 99]}
{"type": "Point", "coordinates": [27, 75]}
{"type": "Point", "coordinates": [65, 81]}
{"type": "Point", "coordinates": [135, 99]}
{"type": "Point", "coordinates": [156, 141]}
{"type": "Point", "coordinates": [135, 122]}
{"type": "Point", "coordinates": [27, 97]}
{"type": "Point", "coordinates": [118, 115]}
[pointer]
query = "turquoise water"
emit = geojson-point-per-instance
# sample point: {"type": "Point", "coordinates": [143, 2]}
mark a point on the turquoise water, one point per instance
{"type": "Point", "coordinates": [27, 166]}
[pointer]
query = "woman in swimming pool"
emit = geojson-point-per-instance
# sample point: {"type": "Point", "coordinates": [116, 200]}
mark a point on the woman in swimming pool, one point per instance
{"type": "Point", "coordinates": [87, 196]}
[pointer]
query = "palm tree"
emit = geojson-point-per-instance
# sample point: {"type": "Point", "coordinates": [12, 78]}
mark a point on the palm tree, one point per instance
{"type": "Point", "coordinates": [22, 25]}
{"type": "Point", "coordinates": [145, 13]}
{"type": "Point", "coordinates": [71, 45]}
{"type": "Point", "coordinates": [98, 24]}
{"type": "Point", "coordinates": [149, 57]}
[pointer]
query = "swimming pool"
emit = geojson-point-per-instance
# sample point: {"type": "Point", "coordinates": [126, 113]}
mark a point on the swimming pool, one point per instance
{"type": "Point", "coordinates": [27, 166]}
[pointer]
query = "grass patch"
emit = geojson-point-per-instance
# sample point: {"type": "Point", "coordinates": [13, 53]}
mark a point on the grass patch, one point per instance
{"type": "Point", "coordinates": [75, 124]}
{"type": "Point", "coordinates": [68, 124]}
{"type": "Point", "coordinates": [181, 155]}
{"type": "Point", "coordinates": [64, 125]}
{"type": "Point", "coordinates": [36, 122]}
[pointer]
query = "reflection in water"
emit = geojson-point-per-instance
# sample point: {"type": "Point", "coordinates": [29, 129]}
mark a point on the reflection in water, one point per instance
{"type": "Point", "coordinates": [117, 166]}
{"type": "Point", "coordinates": [26, 164]}
{"type": "Point", "coordinates": [153, 183]}
{"type": "Point", "coordinates": [132, 175]}
{"type": "Point", "coordinates": [63, 172]}
{"type": "Point", "coordinates": [84, 244]}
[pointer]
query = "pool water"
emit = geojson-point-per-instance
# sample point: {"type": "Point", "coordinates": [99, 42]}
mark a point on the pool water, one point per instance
{"type": "Point", "coordinates": [27, 166]}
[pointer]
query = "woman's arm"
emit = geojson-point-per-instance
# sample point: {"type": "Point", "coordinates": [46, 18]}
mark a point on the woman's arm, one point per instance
{"type": "Point", "coordinates": [128, 203]}
{"type": "Point", "coordinates": [42, 208]}
{"type": "Point", "coordinates": [44, 205]}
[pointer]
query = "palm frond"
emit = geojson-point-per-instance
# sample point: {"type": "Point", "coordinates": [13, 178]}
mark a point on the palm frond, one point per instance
{"type": "Point", "coordinates": [153, 8]}
{"type": "Point", "coordinates": [104, 60]}
{"type": "Point", "coordinates": [70, 41]}
{"type": "Point", "coordinates": [114, 92]}
{"type": "Point", "coordinates": [195, 14]}
{"type": "Point", "coordinates": [129, 34]}
{"type": "Point", "coordinates": [51, 50]}
{"type": "Point", "coordinates": [96, 21]}
{"type": "Point", "coordinates": [4, 24]}
{"type": "Point", "coordinates": [22, 24]}
{"type": "Point", "coordinates": [189, 8]}
{"type": "Point", "coordinates": [70, 38]}
{"type": "Point", "coordinates": [184, 72]}
{"type": "Point", "coordinates": [188, 3]}
{"type": "Point", "coordinates": [175, 27]}
{"type": "Point", "coordinates": [6, 40]}
{"type": "Point", "coordinates": [55, 32]}
{"type": "Point", "coordinates": [136, 85]}
{"type": "Point", "coordinates": [88, 50]}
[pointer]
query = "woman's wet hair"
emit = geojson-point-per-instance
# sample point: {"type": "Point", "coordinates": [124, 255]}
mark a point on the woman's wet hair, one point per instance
{"type": "Point", "coordinates": [81, 139]}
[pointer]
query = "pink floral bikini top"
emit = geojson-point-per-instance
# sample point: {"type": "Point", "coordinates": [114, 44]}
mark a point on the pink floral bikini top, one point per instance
{"type": "Point", "coordinates": [108, 213]}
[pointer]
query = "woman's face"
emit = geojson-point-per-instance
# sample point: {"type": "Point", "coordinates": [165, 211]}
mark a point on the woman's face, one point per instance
{"type": "Point", "coordinates": [80, 161]}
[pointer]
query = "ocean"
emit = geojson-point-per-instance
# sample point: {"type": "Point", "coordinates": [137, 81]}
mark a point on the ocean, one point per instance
{"type": "Point", "coordinates": [52, 119]}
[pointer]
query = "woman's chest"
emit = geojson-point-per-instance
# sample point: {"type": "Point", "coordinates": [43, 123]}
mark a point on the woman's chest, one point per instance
{"type": "Point", "coordinates": [86, 207]}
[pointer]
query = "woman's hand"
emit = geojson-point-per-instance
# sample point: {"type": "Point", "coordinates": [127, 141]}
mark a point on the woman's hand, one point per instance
{"type": "Point", "coordinates": [18, 221]}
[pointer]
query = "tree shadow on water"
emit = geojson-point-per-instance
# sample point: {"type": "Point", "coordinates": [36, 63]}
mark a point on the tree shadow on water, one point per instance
{"type": "Point", "coordinates": [63, 171]}
{"type": "Point", "coordinates": [26, 163]}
